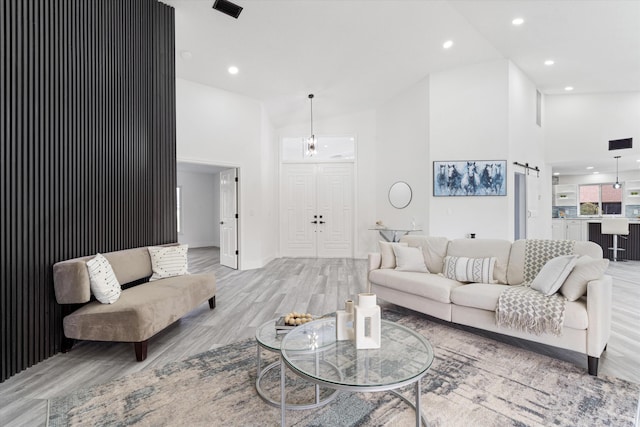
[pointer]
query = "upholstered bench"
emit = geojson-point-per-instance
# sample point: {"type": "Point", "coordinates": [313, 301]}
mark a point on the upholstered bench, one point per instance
{"type": "Point", "coordinates": [143, 307]}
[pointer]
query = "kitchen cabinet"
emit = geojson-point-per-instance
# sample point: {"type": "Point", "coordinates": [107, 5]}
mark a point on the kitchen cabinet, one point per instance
{"type": "Point", "coordinates": [568, 229]}
{"type": "Point", "coordinates": [565, 195]}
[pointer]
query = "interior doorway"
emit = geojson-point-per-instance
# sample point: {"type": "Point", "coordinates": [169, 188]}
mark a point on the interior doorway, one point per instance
{"type": "Point", "coordinates": [201, 206]}
{"type": "Point", "coordinates": [520, 200]}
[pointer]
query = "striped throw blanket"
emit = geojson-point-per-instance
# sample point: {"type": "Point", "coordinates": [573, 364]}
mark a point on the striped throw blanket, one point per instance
{"type": "Point", "coordinates": [526, 309]}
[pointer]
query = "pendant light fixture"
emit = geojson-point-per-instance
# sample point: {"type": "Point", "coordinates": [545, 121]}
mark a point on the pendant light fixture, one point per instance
{"type": "Point", "coordinates": [617, 184]}
{"type": "Point", "coordinates": [311, 141]}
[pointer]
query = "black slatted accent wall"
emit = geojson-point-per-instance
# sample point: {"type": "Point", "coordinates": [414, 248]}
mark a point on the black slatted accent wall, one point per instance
{"type": "Point", "coordinates": [87, 129]}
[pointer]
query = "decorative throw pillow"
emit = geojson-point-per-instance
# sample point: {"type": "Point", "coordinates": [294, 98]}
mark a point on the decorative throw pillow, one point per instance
{"type": "Point", "coordinates": [168, 261]}
{"type": "Point", "coordinates": [585, 270]}
{"type": "Point", "coordinates": [463, 269]}
{"type": "Point", "coordinates": [387, 254]}
{"type": "Point", "coordinates": [102, 280]}
{"type": "Point", "coordinates": [553, 274]}
{"type": "Point", "coordinates": [409, 259]}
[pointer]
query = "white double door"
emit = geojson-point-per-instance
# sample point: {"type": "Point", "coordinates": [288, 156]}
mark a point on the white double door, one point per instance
{"type": "Point", "coordinates": [317, 210]}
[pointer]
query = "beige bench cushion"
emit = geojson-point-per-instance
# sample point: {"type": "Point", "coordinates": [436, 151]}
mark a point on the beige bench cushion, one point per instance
{"type": "Point", "coordinates": [141, 311]}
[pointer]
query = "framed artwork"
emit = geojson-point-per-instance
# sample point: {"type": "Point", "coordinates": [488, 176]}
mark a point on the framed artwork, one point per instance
{"type": "Point", "coordinates": [470, 178]}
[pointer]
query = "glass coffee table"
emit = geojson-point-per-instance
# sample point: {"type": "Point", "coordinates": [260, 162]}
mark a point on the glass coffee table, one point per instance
{"type": "Point", "coordinates": [267, 338]}
{"type": "Point", "coordinates": [312, 352]}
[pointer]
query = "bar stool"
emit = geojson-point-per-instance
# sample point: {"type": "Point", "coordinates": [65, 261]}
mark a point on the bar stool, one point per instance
{"type": "Point", "coordinates": [616, 227]}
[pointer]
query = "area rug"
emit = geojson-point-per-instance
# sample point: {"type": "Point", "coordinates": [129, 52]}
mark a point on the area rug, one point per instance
{"type": "Point", "coordinates": [473, 381]}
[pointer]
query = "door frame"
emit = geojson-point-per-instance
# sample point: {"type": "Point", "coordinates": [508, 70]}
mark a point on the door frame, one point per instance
{"type": "Point", "coordinates": [225, 165]}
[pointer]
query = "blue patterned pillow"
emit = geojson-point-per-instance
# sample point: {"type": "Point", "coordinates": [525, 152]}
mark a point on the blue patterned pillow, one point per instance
{"type": "Point", "coordinates": [463, 269]}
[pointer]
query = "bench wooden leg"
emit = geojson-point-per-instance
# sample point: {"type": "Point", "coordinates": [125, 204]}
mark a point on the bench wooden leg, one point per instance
{"type": "Point", "coordinates": [141, 350]}
{"type": "Point", "coordinates": [66, 344]}
{"type": "Point", "coordinates": [212, 302]}
{"type": "Point", "coordinates": [592, 362]}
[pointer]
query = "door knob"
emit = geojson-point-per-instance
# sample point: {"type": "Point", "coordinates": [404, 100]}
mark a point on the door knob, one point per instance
{"type": "Point", "coordinates": [221, 222]}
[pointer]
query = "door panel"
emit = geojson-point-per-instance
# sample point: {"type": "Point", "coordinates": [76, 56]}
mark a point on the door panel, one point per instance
{"type": "Point", "coordinates": [298, 209]}
{"type": "Point", "coordinates": [228, 220]}
{"type": "Point", "coordinates": [335, 200]}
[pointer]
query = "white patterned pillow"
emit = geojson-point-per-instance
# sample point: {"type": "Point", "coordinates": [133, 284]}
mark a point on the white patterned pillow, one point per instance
{"type": "Point", "coordinates": [168, 261]}
{"type": "Point", "coordinates": [103, 282]}
{"type": "Point", "coordinates": [409, 259]}
{"type": "Point", "coordinates": [463, 269]}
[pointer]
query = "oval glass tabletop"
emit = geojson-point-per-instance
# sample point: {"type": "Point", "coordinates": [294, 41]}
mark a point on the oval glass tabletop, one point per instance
{"type": "Point", "coordinates": [403, 357]}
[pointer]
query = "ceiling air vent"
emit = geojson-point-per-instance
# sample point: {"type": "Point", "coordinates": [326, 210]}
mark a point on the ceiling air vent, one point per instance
{"type": "Point", "coordinates": [227, 8]}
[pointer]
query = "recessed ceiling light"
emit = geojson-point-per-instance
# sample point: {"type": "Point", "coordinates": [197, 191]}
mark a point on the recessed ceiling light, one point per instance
{"type": "Point", "coordinates": [447, 44]}
{"type": "Point", "coordinates": [568, 88]}
{"type": "Point", "coordinates": [589, 167]}
{"type": "Point", "coordinates": [549, 62]}
{"type": "Point", "coordinates": [186, 55]}
{"type": "Point", "coordinates": [638, 160]}
{"type": "Point", "coordinates": [596, 172]}
{"type": "Point", "coordinates": [556, 173]}
{"type": "Point", "coordinates": [233, 70]}
{"type": "Point", "coordinates": [517, 21]}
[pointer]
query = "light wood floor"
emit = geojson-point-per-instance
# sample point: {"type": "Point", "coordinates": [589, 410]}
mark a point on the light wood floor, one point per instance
{"type": "Point", "coordinates": [245, 300]}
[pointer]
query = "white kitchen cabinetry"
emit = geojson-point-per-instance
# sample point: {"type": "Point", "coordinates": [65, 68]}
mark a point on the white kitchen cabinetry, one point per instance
{"type": "Point", "coordinates": [632, 193]}
{"type": "Point", "coordinates": [568, 229]}
{"type": "Point", "coordinates": [565, 195]}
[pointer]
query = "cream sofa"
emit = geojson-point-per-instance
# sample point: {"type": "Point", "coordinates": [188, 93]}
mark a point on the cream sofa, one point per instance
{"type": "Point", "coordinates": [143, 308]}
{"type": "Point", "coordinates": [587, 321]}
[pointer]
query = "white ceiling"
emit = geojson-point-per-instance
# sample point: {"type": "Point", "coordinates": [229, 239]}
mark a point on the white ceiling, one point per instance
{"type": "Point", "coordinates": [356, 54]}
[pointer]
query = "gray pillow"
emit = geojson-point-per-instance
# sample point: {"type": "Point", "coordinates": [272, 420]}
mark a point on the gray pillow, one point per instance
{"type": "Point", "coordinates": [553, 274]}
{"type": "Point", "coordinates": [585, 270]}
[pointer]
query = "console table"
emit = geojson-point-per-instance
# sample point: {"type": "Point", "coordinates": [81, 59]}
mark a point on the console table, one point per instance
{"type": "Point", "coordinates": [393, 234]}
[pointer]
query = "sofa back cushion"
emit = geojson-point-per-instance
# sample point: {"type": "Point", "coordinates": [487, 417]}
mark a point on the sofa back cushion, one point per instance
{"type": "Point", "coordinates": [434, 249]}
{"type": "Point", "coordinates": [484, 248]}
{"type": "Point", "coordinates": [515, 273]}
{"type": "Point", "coordinates": [71, 277]}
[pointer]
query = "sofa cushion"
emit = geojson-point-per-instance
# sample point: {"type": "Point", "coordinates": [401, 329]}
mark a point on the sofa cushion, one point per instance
{"type": "Point", "coordinates": [130, 264]}
{"type": "Point", "coordinates": [585, 270]}
{"type": "Point", "coordinates": [432, 286]}
{"type": "Point", "coordinates": [485, 297]}
{"type": "Point", "coordinates": [409, 259]}
{"type": "Point", "coordinates": [483, 248]}
{"type": "Point", "coordinates": [104, 285]}
{"type": "Point", "coordinates": [515, 274]}
{"type": "Point", "coordinates": [434, 249]}
{"type": "Point", "coordinates": [465, 269]}
{"type": "Point", "coordinates": [388, 257]}
{"type": "Point", "coordinates": [553, 274]}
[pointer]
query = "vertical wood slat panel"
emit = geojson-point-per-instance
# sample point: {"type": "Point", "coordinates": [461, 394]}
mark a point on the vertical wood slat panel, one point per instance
{"type": "Point", "coordinates": [88, 152]}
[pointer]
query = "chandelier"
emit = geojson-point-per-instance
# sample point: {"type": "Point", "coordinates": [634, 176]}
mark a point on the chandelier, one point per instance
{"type": "Point", "coordinates": [311, 141]}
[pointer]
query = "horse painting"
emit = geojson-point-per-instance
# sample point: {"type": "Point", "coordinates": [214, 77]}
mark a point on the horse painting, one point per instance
{"type": "Point", "coordinates": [469, 178]}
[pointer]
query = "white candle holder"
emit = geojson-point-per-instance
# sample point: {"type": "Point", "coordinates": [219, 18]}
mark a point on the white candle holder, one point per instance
{"type": "Point", "coordinates": [367, 322]}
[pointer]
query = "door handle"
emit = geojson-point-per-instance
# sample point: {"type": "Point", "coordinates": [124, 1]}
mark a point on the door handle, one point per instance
{"type": "Point", "coordinates": [314, 222]}
{"type": "Point", "coordinates": [322, 222]}
{"type": "Point", "coordinates": [221, 222]}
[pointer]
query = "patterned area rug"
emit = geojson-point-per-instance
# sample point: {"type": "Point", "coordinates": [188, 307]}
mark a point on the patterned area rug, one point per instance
{"type": "Point", "coordinates": [473, 381]}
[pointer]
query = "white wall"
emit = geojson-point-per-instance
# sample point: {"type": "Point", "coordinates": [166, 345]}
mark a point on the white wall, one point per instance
{"type": "Point", "coordinates": [526, 145]}
{"type": "Point", "coordinates": [468, 120]}
{"type": "Point", "coordinates": [402, 155]}
{"type": "Point", "coordinates": [200, 209]}
{"type": "Point", "coordinates": [362, 126]}
{"type": "Point", "coordinates": [579, 127]}
{"type": "Point", "coordinates": [222, 128]}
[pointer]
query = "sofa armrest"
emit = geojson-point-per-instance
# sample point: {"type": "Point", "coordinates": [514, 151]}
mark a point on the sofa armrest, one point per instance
{"type": "Point", "coordinates": [599, 301]}
{"type": "Point", "coordinates": [375, 260]}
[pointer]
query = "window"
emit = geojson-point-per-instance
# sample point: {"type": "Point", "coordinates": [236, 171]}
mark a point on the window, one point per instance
{"type": "Point", "coordinates": [596, 199]}
{"type": "Point", "coordinates": [328, 148]}
{"type": "Point", "coordinates": [179, 208]}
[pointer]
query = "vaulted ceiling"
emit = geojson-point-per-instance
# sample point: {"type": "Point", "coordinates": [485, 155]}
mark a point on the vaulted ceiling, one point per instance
{"type": "Point", "coordinates": [356, 54]}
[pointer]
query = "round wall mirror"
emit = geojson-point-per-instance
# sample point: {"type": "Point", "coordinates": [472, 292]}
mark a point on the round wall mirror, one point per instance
{"type": "Point", "coordinates": [400, 195]}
